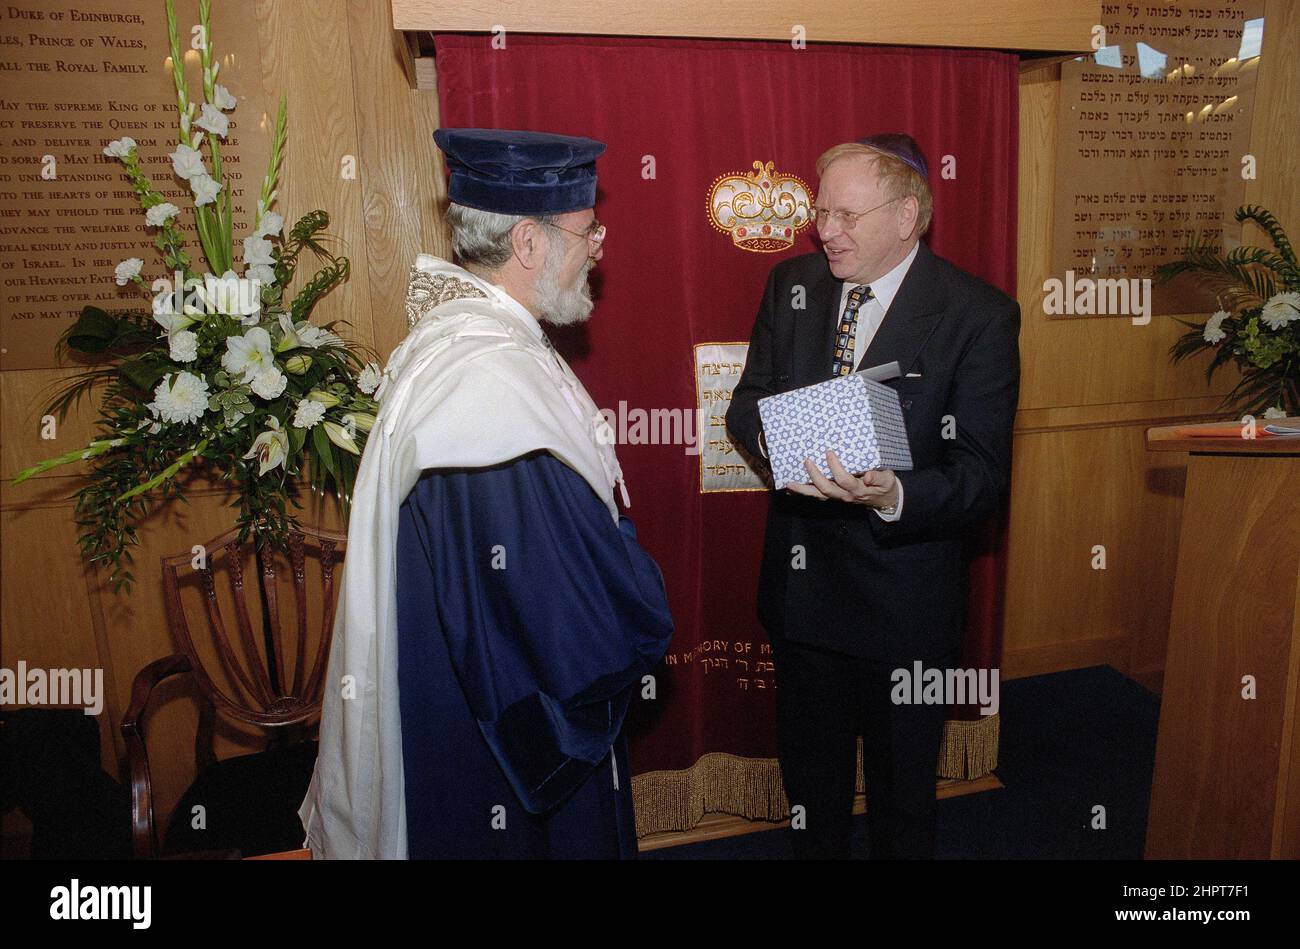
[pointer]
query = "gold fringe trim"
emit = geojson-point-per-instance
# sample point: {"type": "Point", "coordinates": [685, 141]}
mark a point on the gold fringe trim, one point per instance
{"type": "Point", "coordinates": [970, 749]}
{"type": "Point", "coordinates": [752, 788]}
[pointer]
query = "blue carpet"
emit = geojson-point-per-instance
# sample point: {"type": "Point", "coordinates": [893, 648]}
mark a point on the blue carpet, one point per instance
{"type": "Point", "coordinates": [1070, 742]}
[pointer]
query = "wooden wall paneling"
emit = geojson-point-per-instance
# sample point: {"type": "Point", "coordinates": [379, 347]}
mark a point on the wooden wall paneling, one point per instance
{"type": "Point", "coordinates": [1287, 830]}
{"type": "Point", "coordinates": [24, 396]}
{"type": "Point", "coordinates": [1272, 131]}
{"type": "Point", "coordinates": [1222, 760]}
{"type": "Point", "coordinates": [1010, 24]}
{"type": "Point", "coordinates": [1076, 489]}
{"type": "Point", "coordinates": [306, 57]}
{"type": "Point", "coordinates": [1080, 376]}
{"type": "Point", "coordinates": [402, 177]}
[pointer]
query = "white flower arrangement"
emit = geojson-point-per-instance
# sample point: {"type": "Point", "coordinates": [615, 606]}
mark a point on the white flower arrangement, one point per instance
{"type": "Point", "coordinates": [1257, 325]}
{"type": "Point", "coordinates": [218, 368]}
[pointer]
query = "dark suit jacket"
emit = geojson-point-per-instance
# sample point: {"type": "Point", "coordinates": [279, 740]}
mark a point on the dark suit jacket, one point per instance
{"type": "Point", "coordinates": [871, 588]}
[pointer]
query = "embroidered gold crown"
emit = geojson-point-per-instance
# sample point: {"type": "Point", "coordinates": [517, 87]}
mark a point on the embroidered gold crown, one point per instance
{"type": "Point", "coordinates": [761, 209]}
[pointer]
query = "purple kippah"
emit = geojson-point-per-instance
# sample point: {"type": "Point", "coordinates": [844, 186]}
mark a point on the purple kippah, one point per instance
{"type": "Point", "coordinates": [901, 146]}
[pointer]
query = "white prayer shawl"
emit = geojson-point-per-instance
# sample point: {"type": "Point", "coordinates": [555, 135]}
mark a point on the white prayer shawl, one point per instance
{"type": "Point", "coordinates": [475, 383]}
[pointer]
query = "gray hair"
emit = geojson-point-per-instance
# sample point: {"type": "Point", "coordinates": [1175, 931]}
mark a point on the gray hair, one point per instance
{"type": "Point", "coordinates": [483, 237]}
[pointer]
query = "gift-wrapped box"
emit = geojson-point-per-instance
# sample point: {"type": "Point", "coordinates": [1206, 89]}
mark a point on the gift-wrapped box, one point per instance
{"type": "Point", "coordinates": [860, 420]}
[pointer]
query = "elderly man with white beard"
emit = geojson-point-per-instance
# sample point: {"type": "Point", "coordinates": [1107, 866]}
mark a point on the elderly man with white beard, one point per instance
{"type": "Point", "coordinates": [496, 611]}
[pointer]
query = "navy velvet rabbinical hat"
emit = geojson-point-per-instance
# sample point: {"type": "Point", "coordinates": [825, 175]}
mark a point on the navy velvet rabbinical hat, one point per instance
{"type": "Point", "coordinates": [902, 147]}
{"type": "Point", "coordinates": [514, 172]}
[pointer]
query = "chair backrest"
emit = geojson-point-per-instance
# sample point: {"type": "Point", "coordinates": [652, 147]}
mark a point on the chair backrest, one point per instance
{"type": "Point", "coordinates": [257, 675]}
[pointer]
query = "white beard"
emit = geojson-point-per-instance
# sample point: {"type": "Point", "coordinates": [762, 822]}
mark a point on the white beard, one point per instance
{"type": "Point", "coordinates": [562, 306]}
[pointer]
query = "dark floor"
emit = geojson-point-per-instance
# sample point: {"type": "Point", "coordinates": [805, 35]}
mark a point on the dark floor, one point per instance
{"type": "Point", "coordinates": [1070, 741]}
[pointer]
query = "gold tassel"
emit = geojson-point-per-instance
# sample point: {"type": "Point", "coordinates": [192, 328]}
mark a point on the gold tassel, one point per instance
{"type": "Point", "coordinates": [720, 783]}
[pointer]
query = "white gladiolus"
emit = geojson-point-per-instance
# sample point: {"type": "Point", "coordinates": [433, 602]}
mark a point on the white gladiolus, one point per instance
{"type": "Point", "coordinates": [205, 189]}
{"type": "Point", "coordinates": [183, 346]}
{"type": "Point", "coordinates": [184, 400]}
{"type": "Point", "coordinates": [270, 225]}
{"type": "Point", "coordinates": [368, 380]}
{"type": "Point", "coordinates": [1212, 332]}
{"type": "Point", "coordinates": [187, 162]}
{"type": "Point", "coordinates": [264, 275]}
{"type": "Point", "coordinates": [249, 354]}
{"type": "Point", "coordinates": [308, 414]}
{"type": "Point", "coordinates": [213, 120]}
{"type": "Point", "coordinates": [223, 99]}
{"type": "Point", "coordinates": [1281, 309]}
{"type": "Point", "coordinates": [120, 148]}
{"type": "Point", "coordinates": [269, 383]}
{"type": "Point", "coordinates": [160, 214]}
{"type": "Point", "coordinates": [257, 252]}
{"type": "Point", "coordinates": [271, 447]}
{"type": "Point", "coordinates": [128, 270]}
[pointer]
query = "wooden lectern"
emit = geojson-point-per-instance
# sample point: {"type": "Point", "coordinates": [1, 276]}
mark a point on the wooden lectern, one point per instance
{"type": "Point", "coordinates": [1227, 773]}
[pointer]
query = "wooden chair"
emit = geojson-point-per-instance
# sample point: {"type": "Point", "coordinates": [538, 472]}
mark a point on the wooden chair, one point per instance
{"type": "Point", "coordinates": [269, 689]}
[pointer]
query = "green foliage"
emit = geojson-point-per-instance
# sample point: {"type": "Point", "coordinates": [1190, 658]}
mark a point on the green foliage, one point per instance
{"type": "Point", "coordinates": [1251, 284]}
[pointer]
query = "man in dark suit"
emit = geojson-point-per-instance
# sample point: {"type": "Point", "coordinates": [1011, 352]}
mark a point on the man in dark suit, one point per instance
{"type": "Point", "coordinates": [865, 574]}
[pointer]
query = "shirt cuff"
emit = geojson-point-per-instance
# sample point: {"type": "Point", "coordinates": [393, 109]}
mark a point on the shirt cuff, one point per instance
{"type": "Point", "coordinates": [898, 507]}
{"type": "Point", "coordinates": [762, 444]}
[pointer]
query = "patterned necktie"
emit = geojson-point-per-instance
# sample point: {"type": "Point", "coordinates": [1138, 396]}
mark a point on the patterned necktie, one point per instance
{"type": "Point", "coordinates": [848, 330]}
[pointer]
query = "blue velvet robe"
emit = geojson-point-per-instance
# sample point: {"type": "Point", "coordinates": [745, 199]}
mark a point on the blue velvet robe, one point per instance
{"type": "Point", "coordinates": [526, 620]}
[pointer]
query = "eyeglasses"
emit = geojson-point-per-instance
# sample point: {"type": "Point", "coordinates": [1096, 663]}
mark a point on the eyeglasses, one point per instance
{"type": "Point", "coordinates": [595, 233]}
{"type": "Point", "coordinates": [846, 219]}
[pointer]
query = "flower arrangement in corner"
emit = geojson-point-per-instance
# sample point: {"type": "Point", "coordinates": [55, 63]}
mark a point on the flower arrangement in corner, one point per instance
{"type": "Point", "coordinates": [218, 370]}
{"type": "Point", "coordinates": [1258, 321]}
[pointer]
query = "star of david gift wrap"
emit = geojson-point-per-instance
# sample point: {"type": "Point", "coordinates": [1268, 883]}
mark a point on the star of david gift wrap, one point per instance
{"type": "Point", "coordinates": [860, 420]}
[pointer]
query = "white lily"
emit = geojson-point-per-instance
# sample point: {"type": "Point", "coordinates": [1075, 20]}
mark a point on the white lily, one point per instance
{"type": "Point", "coordinates": [341, 436]}
{"type": "Point", "coordinates": [170, 320]}
{"type": "Point", "coordinates": [270, 448]}
{"type": "Point", "coordinates": [249, 354]}
{"type": "Point", "coordinates": [290, 339]}
{"type": "Point", "coordinates": [327, 399]}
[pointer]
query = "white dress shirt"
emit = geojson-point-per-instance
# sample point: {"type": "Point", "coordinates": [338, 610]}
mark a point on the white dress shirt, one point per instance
{"type": "Point", "coordinates": [870, 315]}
